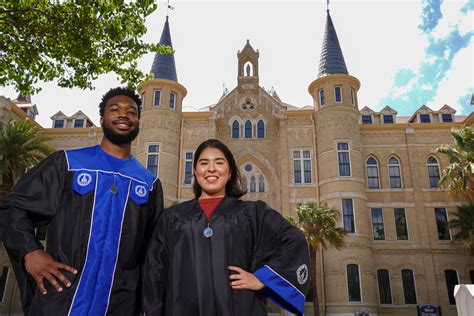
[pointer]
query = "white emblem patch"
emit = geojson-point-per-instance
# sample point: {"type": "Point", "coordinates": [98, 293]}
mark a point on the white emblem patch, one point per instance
{"type": "Point", "coordinates": [84, 179]}
{"type": "Point", "coordinates": [140, 190]}
{"type": "Point", "coordinates": [302, 274]}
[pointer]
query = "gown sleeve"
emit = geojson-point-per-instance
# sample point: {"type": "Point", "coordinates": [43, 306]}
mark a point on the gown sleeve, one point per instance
{"type": "Point", "coordinates": [33, 201]}
{"type": "Point", "coordinates": [155, 270]}
{"type": "Point", "coordinates": [281, 260]}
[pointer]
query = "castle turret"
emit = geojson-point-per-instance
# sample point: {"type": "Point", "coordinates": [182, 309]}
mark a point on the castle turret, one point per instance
{"type": "Point", "coordinates": [158, 145]}
{"type": "Point", "coordinates": [341, 176]}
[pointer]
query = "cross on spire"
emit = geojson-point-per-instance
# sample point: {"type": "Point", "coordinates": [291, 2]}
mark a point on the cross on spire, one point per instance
{"type": "Point", "coordinates": [168, 7]}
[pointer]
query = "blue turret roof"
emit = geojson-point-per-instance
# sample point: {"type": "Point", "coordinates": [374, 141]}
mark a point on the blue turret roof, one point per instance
{"type": "Point", "coordinates": [332, 61]}
{"type": "Point", "coordinates": [163, 65]}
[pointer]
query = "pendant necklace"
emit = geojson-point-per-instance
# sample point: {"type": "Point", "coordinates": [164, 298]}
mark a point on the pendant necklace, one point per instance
{"type": "Point", "coordinates": [114, 188]}
{"type": "Point", "coordinates": [208, 232]}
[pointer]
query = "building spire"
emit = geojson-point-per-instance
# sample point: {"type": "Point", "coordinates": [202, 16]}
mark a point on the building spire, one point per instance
{"type": "Point", "coordinates": [163, 65]}
{"type": "Point", "coordinates": [332, 61]}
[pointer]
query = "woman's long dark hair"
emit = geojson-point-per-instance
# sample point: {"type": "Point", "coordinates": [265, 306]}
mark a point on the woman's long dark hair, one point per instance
{"type": "Point", "coordinates": [233, 187]}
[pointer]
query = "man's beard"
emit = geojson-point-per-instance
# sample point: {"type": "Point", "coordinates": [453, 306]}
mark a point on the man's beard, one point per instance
{"type": "Point", "coordinates": [119, 139]}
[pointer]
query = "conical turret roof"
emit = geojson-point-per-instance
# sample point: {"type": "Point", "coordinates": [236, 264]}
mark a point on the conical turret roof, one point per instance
{"type": "Point", "coordinates": [332, 61]}
{"type": "Point", "coordinates": [164, 66]}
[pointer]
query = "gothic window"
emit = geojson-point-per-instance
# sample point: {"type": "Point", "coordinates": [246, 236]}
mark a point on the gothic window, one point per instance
{"type": "Point", "coordinates": [433, 171]}
{"type": "Point", "coordinates": [261, 184]}
{"type": "Point", "coordinates": [253, 184]}
{"type": "Point", "coordinates": [248, 129]}
{"type": "Point", "coordinates": [260, 129]}
{"type": "Point", "coordinates": [235, 129]}
{"type": "Point", "coordinates": [248, 69]}
{"type": "Point", "coordinates": [256, 179]}
{"type": "Point", "coordinates": [394, 173]}
{"type": "Point", "coordinates": [372, 173]}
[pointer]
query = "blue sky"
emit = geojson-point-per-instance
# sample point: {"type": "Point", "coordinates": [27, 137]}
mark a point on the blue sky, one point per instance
{"type": "Point", "coordinates": [406, 53]}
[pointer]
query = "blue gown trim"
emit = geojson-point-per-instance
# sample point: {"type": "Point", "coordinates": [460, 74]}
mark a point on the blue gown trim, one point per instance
{"type": "Point", "coordinates": [282, 293]}
{"type": "Point", "coordinates": [95, 159]}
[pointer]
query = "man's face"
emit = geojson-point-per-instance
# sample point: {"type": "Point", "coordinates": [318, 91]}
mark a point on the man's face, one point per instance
{"type": "Point", "coordinates": [120, 121]}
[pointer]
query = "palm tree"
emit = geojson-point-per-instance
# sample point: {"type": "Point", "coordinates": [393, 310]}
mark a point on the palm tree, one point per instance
{"type": "Point", "coordinates": [460, 172]}
{"type": "Point", "coordinates": [464, 221]}
{"type": "Point", "coordinates": [318, 224]}
{"type": "Point", "coordinates": [21, 147]}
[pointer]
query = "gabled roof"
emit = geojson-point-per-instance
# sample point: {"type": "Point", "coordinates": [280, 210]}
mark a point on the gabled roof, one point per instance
{"type": "Point", "coordinates": [447, 109]}
{"type": "Point", "coordinates": [366, 109]}
{"type": "Point", "coordinates": [388, 109]}
{"type": "Point", "coordinates": [58, 115]}
{"type": "Point", "coordinates": [332, 61]}
{"type": "Point", "coordinates": [163, 65]}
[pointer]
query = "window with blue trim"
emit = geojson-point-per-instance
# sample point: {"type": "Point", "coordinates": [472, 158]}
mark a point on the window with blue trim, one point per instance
{"type": "Point", "coordinates": [302, 166]}
{"type": "Point", "coordinates": [322, 99]}
{"type": "Point", "coordinates": [153, 157]}
{"type": "Point", "coordinates": [235, 129]}
{"type": "Point", "coordinates": [394, 173]}
{"type": "Point", "coordinates": [366, 119]}
{"type": "Point", "coordinates": [425, 118]}
{"type": "Point", "coordinates": [261, 184]}
{"type": "Point", "coordinates": [156, 97]}
{"type": "Point", "coordinates": [78, 123]}
{"type": "Point", "coordinates": [348, 215]}
{"type": "Point", "coordinates": [260, 129]}
{"type": "Point", "coordinates": [338, 94]}
{"type": "Point", "coordinates": [353, 283]}
{"type": "Point", "coordinates": [343, 159]}
{"type": "Point", "coordinates": [433, 172]}
{"type": "Point", "coordinates": [372, 173]}
{"type": "Point", "coordinates": [248, 130]}
{"type": "Point", "coordinates": [58, 123]}
{"type": "Point", "coordinates": [409, 291]}
{"type": "Point", "coordinates": [172, 101]}
{"type": "Point", "coordinates": [388, 119]}
{"type": "Point", "coordinates": [447, 118]}
{"type": "Point", "coordinates": [188, 167]}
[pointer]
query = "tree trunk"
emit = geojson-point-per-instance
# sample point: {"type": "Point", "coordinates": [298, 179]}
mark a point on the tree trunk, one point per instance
{"type": "Point", "coordinates": [314, 283]}
{"type": "Point", "coordinates": [323, 288]}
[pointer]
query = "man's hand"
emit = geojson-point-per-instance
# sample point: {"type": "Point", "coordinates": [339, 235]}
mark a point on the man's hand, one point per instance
{"type": "Point", "coordinates": [244, 280]}
{"type": "Point", "coordinates": [41, 265]}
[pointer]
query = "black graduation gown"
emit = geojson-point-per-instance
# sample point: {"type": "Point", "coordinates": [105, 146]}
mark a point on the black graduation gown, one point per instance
{"type": "Point", "coordinates": [102, 234]}
{"type": "Point", "coordinates": [186, 273]}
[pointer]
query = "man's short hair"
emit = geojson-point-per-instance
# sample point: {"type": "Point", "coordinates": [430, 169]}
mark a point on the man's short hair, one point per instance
{"type": "Point", "coordinates": [128, 92]}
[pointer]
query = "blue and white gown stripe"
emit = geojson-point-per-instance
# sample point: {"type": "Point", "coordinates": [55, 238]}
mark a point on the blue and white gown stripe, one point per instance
{"type": "Point", "coordinates": [283, 293]}
{"type": "Point", "coordinates": [92, 294]}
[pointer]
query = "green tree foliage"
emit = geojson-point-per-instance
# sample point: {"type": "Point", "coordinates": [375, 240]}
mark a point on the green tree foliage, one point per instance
{"type": "Point", "coordinates": [459, 175]}
{"type": "Point", "coordinates": [464, 221]}
{"type": "Point", "coordinates": [21, 147]}
{"type": "Point", "coordinates": [72, 41]}
{"type": "Point", "coordinates": [318, 224]}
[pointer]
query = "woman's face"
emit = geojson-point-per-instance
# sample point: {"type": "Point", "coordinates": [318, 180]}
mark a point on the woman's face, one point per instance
{"type": "Point", "coordinates": [212, 172]}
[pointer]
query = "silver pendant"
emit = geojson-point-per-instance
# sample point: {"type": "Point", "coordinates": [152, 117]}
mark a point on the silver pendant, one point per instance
{"type": "Point", "coordinates": [208, 232]}
{"type": "Point", "coordinates": [114, 189]}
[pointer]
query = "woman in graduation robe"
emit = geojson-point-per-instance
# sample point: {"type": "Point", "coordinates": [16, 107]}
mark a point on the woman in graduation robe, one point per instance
{"type": "Point", "coordinates": [217, 255]}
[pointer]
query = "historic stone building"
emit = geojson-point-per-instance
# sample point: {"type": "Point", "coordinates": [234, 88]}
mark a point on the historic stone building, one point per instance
{"type": "Point", "coordinates": [379, 169]}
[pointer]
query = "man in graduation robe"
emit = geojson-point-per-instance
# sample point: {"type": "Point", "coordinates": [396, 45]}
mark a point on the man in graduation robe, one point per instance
{"type": "Point", "coordinates": [100, 205]}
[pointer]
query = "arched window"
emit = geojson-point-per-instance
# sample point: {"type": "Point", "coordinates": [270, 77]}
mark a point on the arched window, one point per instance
{"type": "Point", "coordinates": [353, 283]}
{"type": "Point", "coordinates": [394, 173]}
{"type": "Point", "coordinates": [372, 173]}
{"type": "Point", "coordinates": [433, 171]}
{"type": "Point", "coordinates": [248, 129]}
{"type": "Point", "coordinates": [243, 184]}
{"type": "Point", "coordinates": [248, 69]}
{"type": "Point", "coordinates": [409, 290]}
{"type": "Point", "coordinates": [260, 129]}
{"type": "Point", "coordinates": [261, 184]}
{"type": "Point", "coordinates": [253, 184]}
{"type": "Point", "coordinates": [385, 292]}
{"type": "Point", "coordinates": [451, 281]}
{"type": "Point", "coordinates": [235, 129]}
